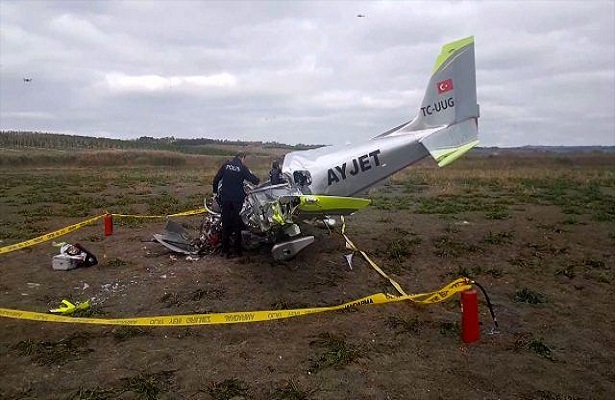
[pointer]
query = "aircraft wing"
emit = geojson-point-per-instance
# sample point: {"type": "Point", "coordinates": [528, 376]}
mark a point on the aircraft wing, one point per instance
{"type": "Point", "coordinates": [330, 205]}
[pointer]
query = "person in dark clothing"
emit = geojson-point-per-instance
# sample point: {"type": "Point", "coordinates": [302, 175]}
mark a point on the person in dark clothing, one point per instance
{"type": "Point", "coordinates": [228, 185]}
{"type": "Point", "coordinates": [275, 175]}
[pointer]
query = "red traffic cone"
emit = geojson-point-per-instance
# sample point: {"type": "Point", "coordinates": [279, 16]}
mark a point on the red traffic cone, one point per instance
{"type": "Point", "coordinates": [470, 331]}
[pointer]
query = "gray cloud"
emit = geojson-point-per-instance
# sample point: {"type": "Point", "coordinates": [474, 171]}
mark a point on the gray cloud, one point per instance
{"type": "Point", "coordinates": [310, 72]}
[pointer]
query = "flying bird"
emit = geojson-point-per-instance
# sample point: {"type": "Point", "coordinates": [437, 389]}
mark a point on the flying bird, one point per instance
{"type": "Point", "coordinates": [360, 15]}
{"type": "Point", "coordinates": [26, 80]}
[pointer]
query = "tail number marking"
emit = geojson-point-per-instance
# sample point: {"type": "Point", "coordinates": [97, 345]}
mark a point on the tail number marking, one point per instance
{"type": "Point", "coordinates": [438, 106]}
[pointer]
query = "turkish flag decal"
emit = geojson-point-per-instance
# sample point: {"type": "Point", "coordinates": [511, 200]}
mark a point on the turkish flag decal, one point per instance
{"type": "Point", "coordinates": [445, 86]}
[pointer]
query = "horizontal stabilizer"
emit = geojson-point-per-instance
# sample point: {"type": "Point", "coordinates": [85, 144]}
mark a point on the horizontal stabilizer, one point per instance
{"type": "Point", "coordinates": [448, 144]}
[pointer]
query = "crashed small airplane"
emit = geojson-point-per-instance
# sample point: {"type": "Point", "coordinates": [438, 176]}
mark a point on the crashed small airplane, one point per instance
{"type": "Point", "coordinates": [320, 182]}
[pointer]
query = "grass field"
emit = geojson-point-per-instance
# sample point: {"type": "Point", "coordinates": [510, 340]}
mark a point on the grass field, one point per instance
{"type": "Point", "coordinates": [536, 230]}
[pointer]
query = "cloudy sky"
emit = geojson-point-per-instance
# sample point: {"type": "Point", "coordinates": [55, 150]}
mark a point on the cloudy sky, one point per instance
{"type": "Point", "coordinates": [302, 71]}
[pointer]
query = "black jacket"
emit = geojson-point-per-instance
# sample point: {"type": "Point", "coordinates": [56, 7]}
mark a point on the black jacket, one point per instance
{"type": "Point", "coordinates": [230, 177]}
{"type": "Point", "coordinates": [275, 176]}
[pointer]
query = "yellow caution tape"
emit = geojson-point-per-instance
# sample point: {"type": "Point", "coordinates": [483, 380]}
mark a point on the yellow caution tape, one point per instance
{"type": "Point", "coordinates": [48, 236]}
{"type": "Point", "coordinates": [352, 247]}
{"type": "Point", "coordinates": [60, 232]}
{"type": "Point", "coordinates": [191, 212]}
{"type": "Point", "coordinates": [459, 285]}
{"type": "Point", "coordinates": [449, 290]}
{"type": "Point", "coordinates": [180, 214]}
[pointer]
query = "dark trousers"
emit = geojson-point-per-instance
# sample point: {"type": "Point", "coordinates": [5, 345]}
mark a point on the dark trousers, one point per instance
{"type": "Point", "coordinates": [231, 225]}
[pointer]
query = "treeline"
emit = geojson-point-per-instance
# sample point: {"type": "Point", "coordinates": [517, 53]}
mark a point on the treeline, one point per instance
{"type": "Point", "coordinates": [98, 158]}
{"type": "Point", "coordinates": [202, 146]}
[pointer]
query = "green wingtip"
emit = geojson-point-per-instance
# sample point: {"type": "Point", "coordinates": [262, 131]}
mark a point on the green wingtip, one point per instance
{"type": "Point", "coordinates": [448, 50]}
{"type": "Point", "coordinates": [454, 154]}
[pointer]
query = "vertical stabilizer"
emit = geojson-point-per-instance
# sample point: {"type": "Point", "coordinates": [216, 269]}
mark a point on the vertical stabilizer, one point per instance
{"type": "Point", "coordinates": [451, 93]}
{"type": "Point", "coordinates": [446, 127]}
{"type": "Point", "coordinates": [450, 96]}
{"type": "Point", "coordinates": [447, 121]}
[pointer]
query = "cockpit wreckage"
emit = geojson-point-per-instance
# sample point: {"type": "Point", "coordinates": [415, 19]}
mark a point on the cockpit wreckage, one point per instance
{"type": "Point", "coordinates": [320, 183]}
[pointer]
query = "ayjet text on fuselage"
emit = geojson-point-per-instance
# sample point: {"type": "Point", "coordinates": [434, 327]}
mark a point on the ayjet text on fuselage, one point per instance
{"type": "Point", "coordinates": [358, 164]}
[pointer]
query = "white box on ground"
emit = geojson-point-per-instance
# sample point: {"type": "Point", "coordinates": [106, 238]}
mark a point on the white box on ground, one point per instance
{"type": "Point", "coordinates": [63, 262]}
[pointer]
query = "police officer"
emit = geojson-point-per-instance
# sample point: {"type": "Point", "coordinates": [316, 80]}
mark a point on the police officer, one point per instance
{"type": "Point", "coordinates": [228, 185]}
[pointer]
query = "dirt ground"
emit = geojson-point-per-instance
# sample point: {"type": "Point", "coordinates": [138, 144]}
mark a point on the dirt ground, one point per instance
{"type": "Point", "coordinates": [549, 272]}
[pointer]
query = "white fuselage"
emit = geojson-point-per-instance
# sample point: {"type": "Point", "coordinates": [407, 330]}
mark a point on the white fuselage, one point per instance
{"type": "Point", "coordinates": [351, 169]}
